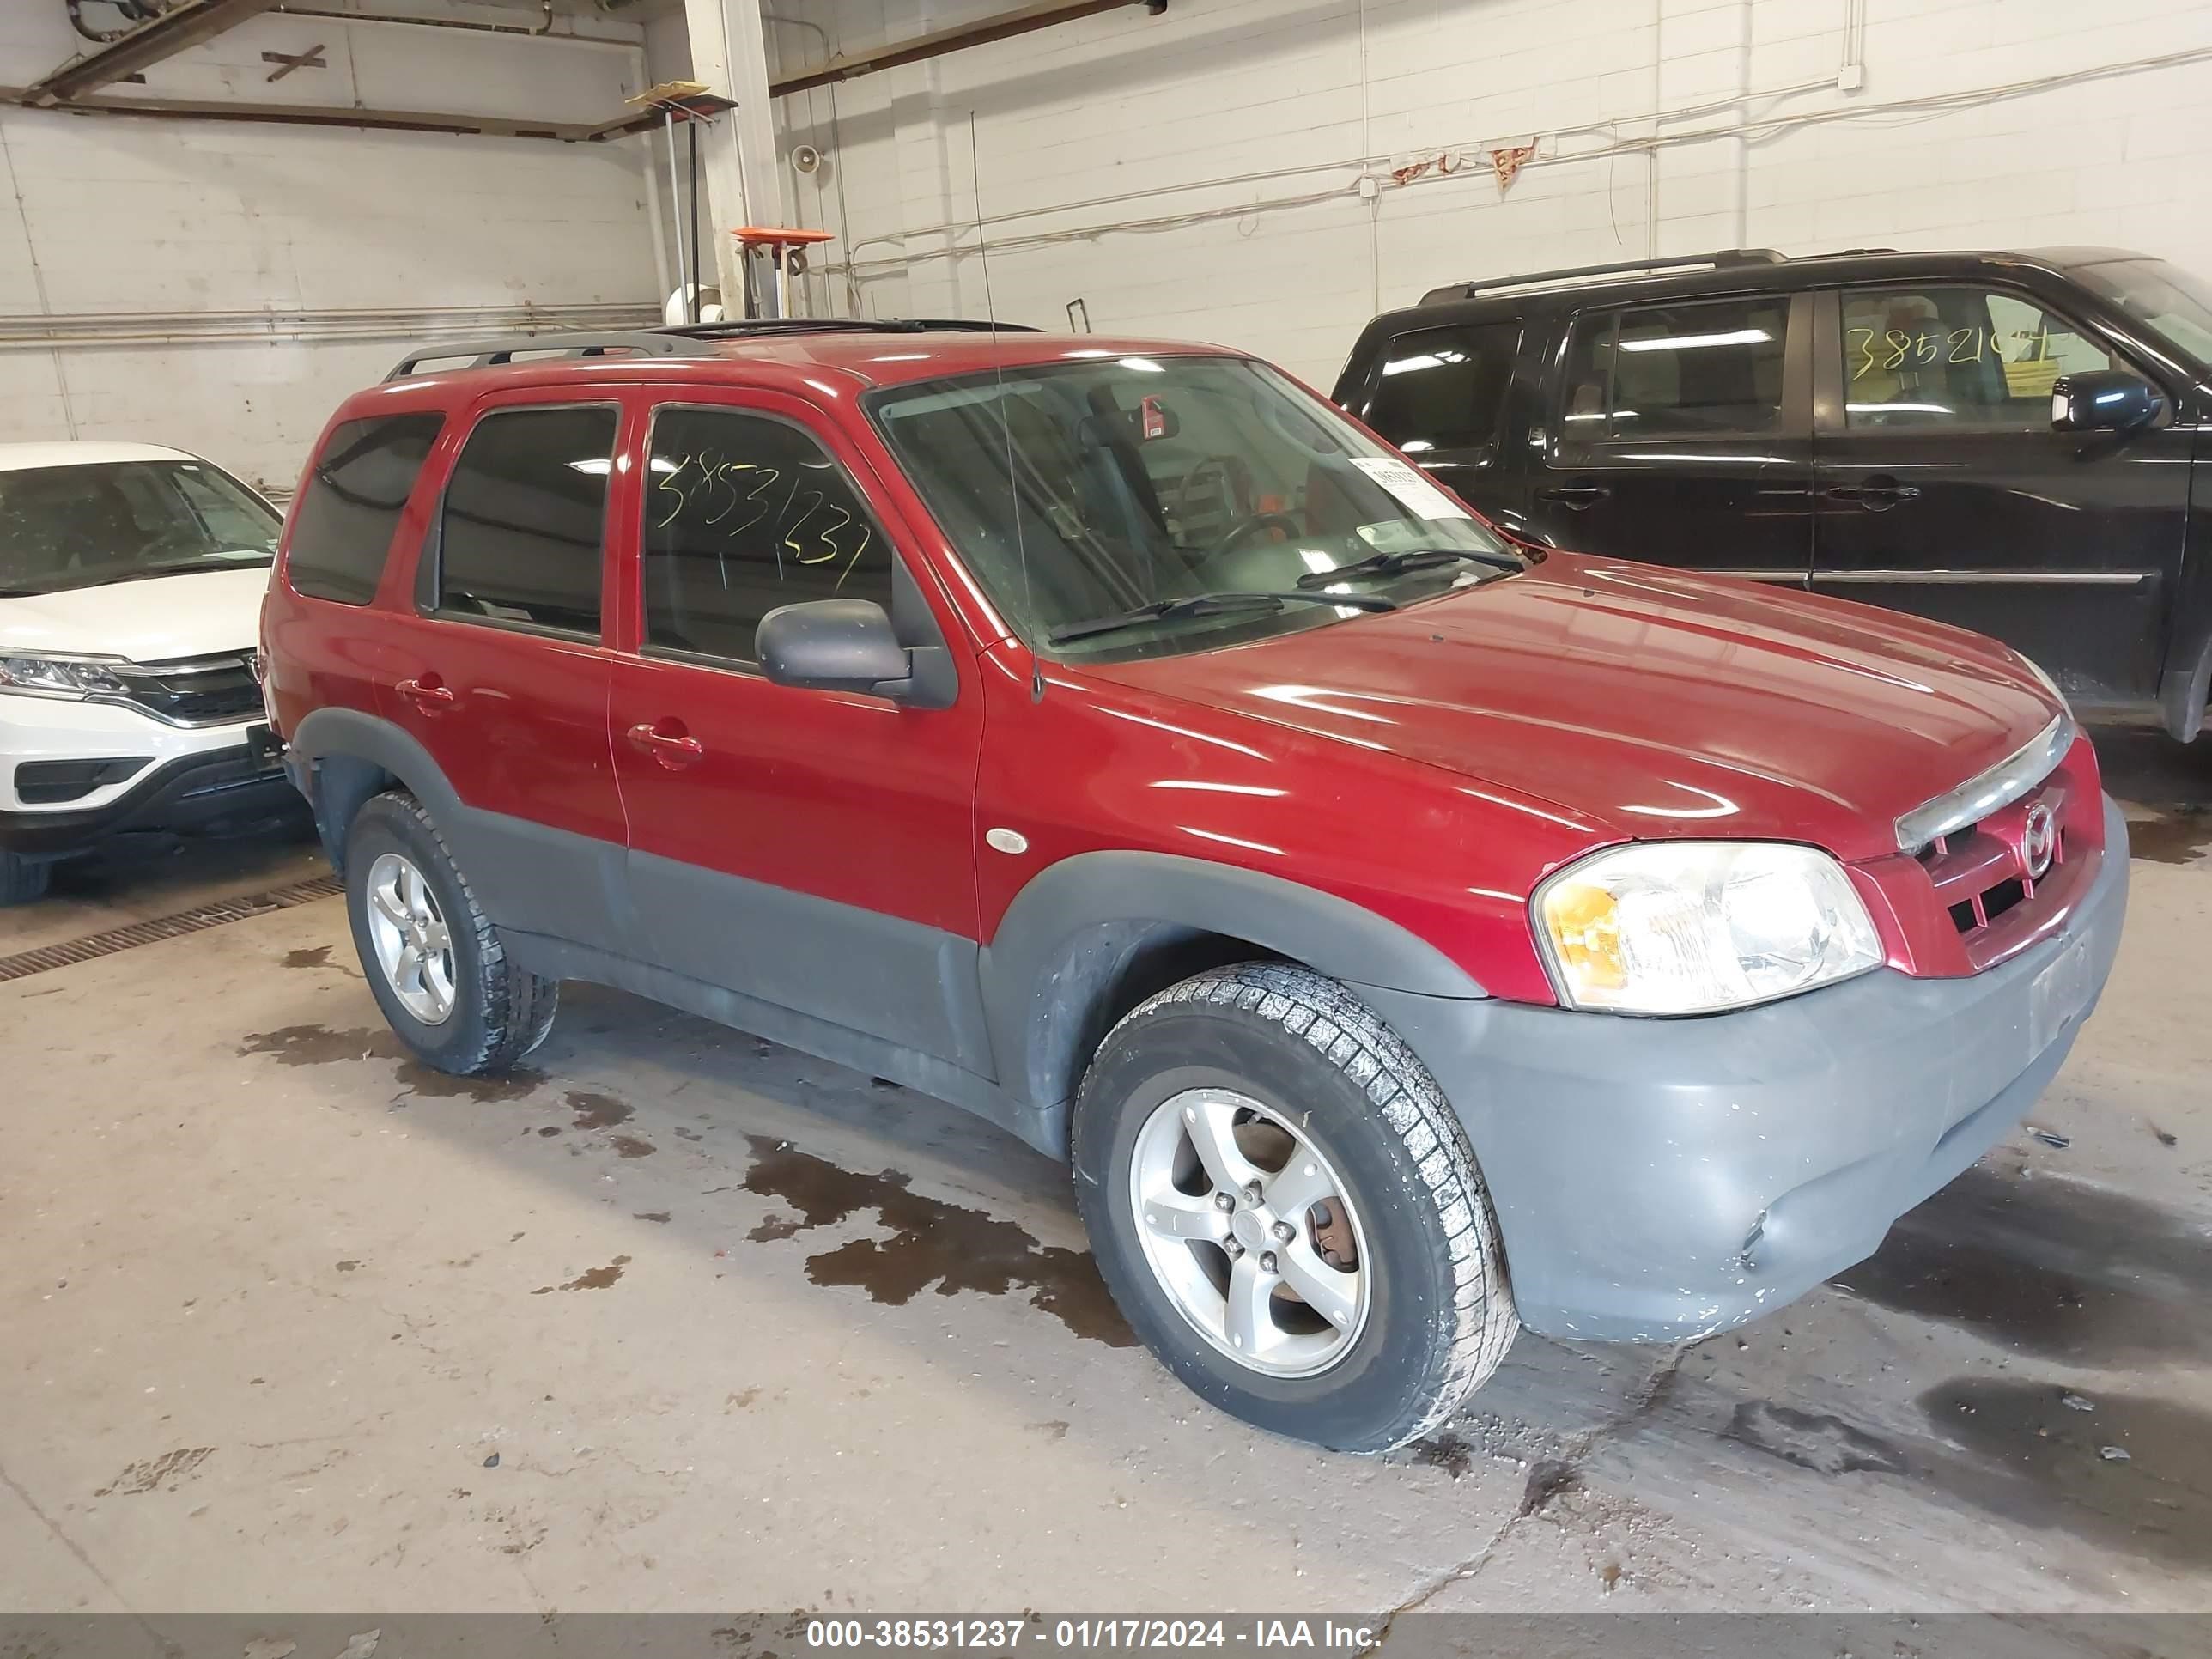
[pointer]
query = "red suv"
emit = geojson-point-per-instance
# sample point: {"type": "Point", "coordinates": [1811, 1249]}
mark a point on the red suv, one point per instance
{"type": "Point", "coordinates": [1406, 935]}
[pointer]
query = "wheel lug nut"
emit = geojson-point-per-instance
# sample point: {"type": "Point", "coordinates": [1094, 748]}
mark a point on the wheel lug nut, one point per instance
{"type": "Point", "coordinates": [1284, 1232]}
{"type": "Point", "coordinates": [1251, 1192]}
{"type": "Point", "coordinates": [1225, 1200]}
{"type": "Point", "coordinates": [1234, 1249]}
{"type": "Point", "coordinates": [1267, 1262]}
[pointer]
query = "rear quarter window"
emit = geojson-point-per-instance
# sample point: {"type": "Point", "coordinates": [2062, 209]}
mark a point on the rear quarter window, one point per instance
{"type": "Point", "coordinates": [342, 529]}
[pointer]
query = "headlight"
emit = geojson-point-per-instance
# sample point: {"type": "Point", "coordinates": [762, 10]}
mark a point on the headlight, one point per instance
{"type": "Point", "coordinates": [2044, 680]}
{"type": "Point", "coordinates": [58, 676]}
{"type": "Point", "coordinates": [1687, 927]}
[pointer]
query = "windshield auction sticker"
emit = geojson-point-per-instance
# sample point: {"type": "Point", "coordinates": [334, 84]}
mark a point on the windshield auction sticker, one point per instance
{"type": "Point", "coordinates": [1411, 489]}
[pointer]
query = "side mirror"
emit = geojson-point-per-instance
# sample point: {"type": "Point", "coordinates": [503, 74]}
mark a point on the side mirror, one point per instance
{"type": "Point", "coordinates": [2103, 400]}
{"type": "Point", "coordinates": [835, 645]}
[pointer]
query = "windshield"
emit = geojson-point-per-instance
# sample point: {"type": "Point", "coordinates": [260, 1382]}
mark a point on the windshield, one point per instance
{"type": "Point", "coordinates": [2167, 298]}
{"type": "Point", "coordinates": [1079, 493]}
{"type": "Point", "coordinates": [80, 526]}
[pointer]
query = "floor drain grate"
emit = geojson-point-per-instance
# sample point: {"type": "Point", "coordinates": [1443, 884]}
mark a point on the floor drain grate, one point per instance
{"type": "Point", "coordinates": [95, 945]}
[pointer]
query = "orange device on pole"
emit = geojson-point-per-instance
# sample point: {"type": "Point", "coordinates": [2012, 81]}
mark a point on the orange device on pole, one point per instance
{"type": "Point", "coordinates": [780, 244]}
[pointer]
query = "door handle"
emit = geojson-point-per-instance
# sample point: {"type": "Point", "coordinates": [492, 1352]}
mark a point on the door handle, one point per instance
{"type": "Point", "coordinates": [674, 748]}
{"type": "Point", "coordinates": [1575, 497]}
{"type": "Point", "coordinates": [1874, 494]}
{"type": "Point", "coordinates": [429, 695]}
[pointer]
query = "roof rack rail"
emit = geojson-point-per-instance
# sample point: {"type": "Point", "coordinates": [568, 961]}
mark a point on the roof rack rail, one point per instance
{"type": "Point", "coordinates": [1724, 257]}
{"type": "Point", "coordinates": [492, 354]}
{"type": "Point", "coordinates": [687, 340]}
{"type": "Point", "coordinates": [738, 328]}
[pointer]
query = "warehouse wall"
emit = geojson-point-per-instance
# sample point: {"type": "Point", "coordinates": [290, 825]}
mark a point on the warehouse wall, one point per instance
{"type": "Point", "coordinates": [1218, 151]}
{"type": "Point", "coordinates": [123, 236]}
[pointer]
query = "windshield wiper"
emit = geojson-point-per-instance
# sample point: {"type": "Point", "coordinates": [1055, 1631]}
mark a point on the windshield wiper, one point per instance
{"type": "Point", "coordinates": [1211, 604]}
{"type": "Point", "coordinates": [1420, 558]}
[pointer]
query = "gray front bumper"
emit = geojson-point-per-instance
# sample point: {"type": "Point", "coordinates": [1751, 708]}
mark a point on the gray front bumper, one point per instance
{"type": "Point", "coordinates": [1662, 1179]}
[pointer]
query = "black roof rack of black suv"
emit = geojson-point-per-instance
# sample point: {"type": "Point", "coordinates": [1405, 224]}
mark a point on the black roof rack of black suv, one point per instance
{"type": "Point", "coordinates": [1729, 256]}
{"type": "Point", "coordinates": [686, 340]}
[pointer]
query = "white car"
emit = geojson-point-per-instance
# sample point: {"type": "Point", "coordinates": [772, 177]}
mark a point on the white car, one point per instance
{"type": "Point", "coordinates": [130, 586]}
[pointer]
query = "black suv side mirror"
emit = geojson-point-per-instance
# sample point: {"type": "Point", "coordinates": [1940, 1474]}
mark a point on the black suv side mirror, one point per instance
{"type": "Point", "coordinates": [2103, 400]}
{"type": "Point", "coordinates": [835, 645]}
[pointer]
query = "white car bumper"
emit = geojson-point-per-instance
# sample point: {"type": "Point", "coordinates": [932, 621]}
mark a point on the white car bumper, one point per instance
{"type": "Point", "coordinates": [159, 776]}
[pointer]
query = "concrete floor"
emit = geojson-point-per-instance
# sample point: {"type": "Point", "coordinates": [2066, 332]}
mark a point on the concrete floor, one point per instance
{"type": "Point", "coordinates": [292, 1324]}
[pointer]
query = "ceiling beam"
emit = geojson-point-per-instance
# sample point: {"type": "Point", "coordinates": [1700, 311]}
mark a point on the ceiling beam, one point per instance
{"type": "Point", "coordinates": [173, 32]}
{"type": "Point", "coordinates": [318, 115]}
{"type": "Point", "coordinates": [999, 25]}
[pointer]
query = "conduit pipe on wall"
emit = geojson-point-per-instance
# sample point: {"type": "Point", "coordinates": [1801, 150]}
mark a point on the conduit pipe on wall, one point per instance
{"type": "Point", "coordinates": [308, 327]}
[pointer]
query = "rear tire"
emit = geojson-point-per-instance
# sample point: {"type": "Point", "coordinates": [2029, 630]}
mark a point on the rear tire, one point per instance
{"type": "Point", "coordinates": [1361, 1309]}
{"type": "Point", "coordinates": [22, 881]}
{"type": "Point", "coordinates": [432, 958]}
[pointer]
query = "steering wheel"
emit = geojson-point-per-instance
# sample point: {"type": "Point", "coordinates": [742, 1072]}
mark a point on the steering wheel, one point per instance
{"type": "Point", "coordinates": [1240, 533]}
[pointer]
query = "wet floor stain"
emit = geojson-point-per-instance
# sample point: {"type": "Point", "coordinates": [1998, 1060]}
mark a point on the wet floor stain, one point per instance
{"type": "Point", "coordinates": [1812, 1440]}
{"type": "Point", "coordinates": [318, 1045]}
{"type": "Point", "coordinates": [2050, 1266]}
{"type": "Point", "coordinates": [932, 1243]}
{"type": "Point", "coordinates": [162, 1474]}
{"type": "Point", "coordinates": [428, 1084]}
{"type": "Point", "coordinates": [317, 956]}
{"type": "Point", "coordinates": [631, 1146]}
{"type": "Point", "coordinates": [2178, 837]}
{"type": "Point", "coordinates": [597, 1279]}
{"type": "Point", "coordinates": [597, 1111]}
{"type": "Point", "coordinates": [2038, 1460]}
{"type": "Point", "coordinates": [1548, 1478]}
{"type": "Point", "coordinates": [660, 1216]}
{"type": "Point", "coordinates": [1451, 1453]}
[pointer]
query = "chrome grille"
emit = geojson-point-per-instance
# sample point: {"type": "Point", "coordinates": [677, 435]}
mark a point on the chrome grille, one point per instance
{"type": "Point", "coordinates": [212, 691]}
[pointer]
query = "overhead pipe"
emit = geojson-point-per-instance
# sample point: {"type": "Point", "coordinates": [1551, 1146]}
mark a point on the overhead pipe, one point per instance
{"type": "Point", "coordinates": [958, 37]}
{"type": "Point", "coordinates": [545, 32]}
{"type": "Point", "coordinates": [132, 12]}
{"type": "Point", "coordinates": [179, 329]}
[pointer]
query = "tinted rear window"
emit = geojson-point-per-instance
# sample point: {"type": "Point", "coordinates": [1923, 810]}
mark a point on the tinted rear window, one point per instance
{"type": "Point", "coordinates": [524, 522]}
{"type": "Point", "coordinates": [342, 531]}
{"type": "Point", "coordinates": [1444, 388]}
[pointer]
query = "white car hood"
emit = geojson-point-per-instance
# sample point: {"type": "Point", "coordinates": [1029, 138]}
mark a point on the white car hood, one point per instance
{"type": "Point", "coordinates": [201, 614]}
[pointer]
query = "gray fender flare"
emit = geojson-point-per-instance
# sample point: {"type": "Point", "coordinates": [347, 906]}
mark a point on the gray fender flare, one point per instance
{"type": "Point", "coordinates": [327, 734]}
{"type": "Point", "coordinates": [1073, 930]}
{"type": "Point", "coordinates": [2182, 690]}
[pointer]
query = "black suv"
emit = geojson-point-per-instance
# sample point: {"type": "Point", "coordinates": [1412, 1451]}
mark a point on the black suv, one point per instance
{"type": "Point", "coordinates": [2002, 440]}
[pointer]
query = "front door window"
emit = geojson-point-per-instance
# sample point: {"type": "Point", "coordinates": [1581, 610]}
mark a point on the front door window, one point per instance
{"type": "Point", "coordinates": [1962, 357]}
{"type": "Point", "coordinates": [743, 513]}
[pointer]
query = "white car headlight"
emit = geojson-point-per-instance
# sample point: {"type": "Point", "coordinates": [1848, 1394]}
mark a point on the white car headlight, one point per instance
{"type": "Point", "coordinates": [1690, 927]}
{"type": "Point", "coordinates": [58, 676]}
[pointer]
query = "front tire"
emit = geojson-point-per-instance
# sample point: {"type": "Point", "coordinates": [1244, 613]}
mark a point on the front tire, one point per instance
{"type": "Point", "coordinates": [432, 958]}
{"type": "Point", "coordinates": [21, 880]}
{"type": "Point", "coordinates": [1288, 1211]}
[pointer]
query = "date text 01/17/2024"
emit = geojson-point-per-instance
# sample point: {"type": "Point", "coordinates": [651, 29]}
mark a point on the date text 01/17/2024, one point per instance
{"type": "Point", "coordinates": [1031, 1630]}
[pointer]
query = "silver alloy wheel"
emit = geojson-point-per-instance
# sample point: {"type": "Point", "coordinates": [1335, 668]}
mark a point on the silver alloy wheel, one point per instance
{"type": "Point", "coordinates": [1250, 1232]}
{"type": "Point", "coordinates": [414, 946]}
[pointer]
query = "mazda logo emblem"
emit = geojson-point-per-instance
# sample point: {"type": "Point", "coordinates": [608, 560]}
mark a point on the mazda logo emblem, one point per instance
{"type": "Point", "coordinates": [2039, 841]}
